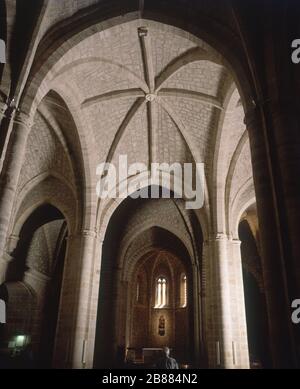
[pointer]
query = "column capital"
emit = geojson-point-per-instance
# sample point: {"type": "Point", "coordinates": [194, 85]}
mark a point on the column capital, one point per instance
{"type": "Point", "coordinates": [85, 233]}
{"type": "Point", "coordinates": [89, 233]}
{"type": "Point", "coordinates": [236, 242]}
{"type": "Point", "coordinates": [217, 237]}
{"type": "Point", "coordinates": [23, 119]}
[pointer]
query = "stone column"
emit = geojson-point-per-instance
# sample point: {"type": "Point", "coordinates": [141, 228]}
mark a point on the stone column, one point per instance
{"type": "Point", "coordinates": [83, 297]}
{"type": "Point", "coordinates": [282, 118]}
{"type": "Point", "coordinates": [62, 356]}
{"type": "Point", "coordinates": [238, 310]}
{"type": "Point", "coordinates": [206, 349]}
{"type": "Point", "coordinates": [10, 176]}
{"type": "Point", "coordinates": [77, 315]}
{"type": "Point", "coordinates": [273, 154]}
{"type": "Point", "coordinates": [226, 330]}
{"type": "Point", "coordinates": [220, 332]}
{"type": "Point", "coordinates": [4, 264]}
{"type": "Point", "coordinates": [7, 257]}
{"type": "Point", "coordinates": [3, 108]}
{"type": "Point", "coordinates": [94, 305]}
{"type": "Point", "coordinates": [199, 352]}
{"type": "Point", "coordinates": [4, 128]}
{"type": "Point", "coordinates": [119, 298]}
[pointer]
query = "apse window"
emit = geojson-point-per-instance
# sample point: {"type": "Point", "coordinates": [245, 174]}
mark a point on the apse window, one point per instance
{"type": "Point", "coordinates": [183, 291]}
{"type": "Point", "coordinates": [161, 293]}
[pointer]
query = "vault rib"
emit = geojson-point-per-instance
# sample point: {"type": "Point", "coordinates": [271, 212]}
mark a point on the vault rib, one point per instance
{"type": "Point", "coordinates": [147, 58]}
{"type": "Point", "coordinates": [192, 55]}
{"type": "Point", "coordinates": [152, 134]}
{"type": "Point", "coordinates": [119, 67]}
{"type": "Point", "coordinates": [201, 97]}
{"type": "Point", "coordinates": [129, 116]}
{"type": "Point", "coordinates": [117, 94]}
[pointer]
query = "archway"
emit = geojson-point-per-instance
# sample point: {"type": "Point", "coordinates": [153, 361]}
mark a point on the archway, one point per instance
{"type": "Point", "coordinates": [160, 303]}
{"type": "Point", "coordinates": [140, 251]}
{"type": "Point", "coordinates": [33, 283]}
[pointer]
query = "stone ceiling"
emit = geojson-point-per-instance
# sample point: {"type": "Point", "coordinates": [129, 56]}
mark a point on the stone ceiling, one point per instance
{"type": "Point", "coordinates": [146, 91]}
{"type": "Point", "coordinates": [154, 93]}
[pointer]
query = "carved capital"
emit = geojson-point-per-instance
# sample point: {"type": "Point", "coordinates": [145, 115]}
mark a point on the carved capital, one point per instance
{"type": "Point", "coordinates": [217, 237]}
{"type": "Point", "coordinates": [89, 233]}
{"type": "Point", "coordinates": [236, 242]}
{"type": "Point", "coordinates": [23, 119]}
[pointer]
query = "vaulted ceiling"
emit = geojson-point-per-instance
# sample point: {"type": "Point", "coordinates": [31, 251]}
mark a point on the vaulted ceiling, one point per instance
{"type": "Point", "coordinates": [147, 90]}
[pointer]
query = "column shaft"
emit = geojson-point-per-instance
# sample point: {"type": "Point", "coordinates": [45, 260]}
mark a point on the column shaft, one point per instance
{"type": "Point", "coordinates": [10, 176]}
{"type": "Point", "coordinates": [275, 236]}
{"type": "Point", "coordinates": [226, 329]}
{"type": "Point", "coordinates": [83, 301]}
{"type": "Point", "coordinates": [220, 334]}
{"type": "Point", "coordinates": [238, 310]}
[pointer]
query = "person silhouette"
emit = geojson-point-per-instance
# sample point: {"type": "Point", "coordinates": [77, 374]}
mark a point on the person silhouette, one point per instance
{"type": "Point", "coordinates": [166, 362]}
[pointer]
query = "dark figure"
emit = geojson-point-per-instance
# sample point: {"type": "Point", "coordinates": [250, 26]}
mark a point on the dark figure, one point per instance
{"type": "Point", "coordinates": [166, 362]}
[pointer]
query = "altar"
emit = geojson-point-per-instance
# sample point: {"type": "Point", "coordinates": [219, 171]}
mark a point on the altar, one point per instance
{"type": "Point", "coordinates": [151, 355]}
